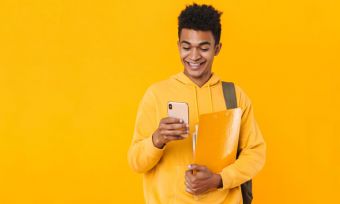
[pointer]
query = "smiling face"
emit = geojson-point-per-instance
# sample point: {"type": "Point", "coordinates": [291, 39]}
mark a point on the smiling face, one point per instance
{"type": "Point", "coordinates": [197, 51]}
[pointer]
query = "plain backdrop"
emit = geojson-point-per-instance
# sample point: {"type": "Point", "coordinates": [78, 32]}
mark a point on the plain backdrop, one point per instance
{"type": "Point", "coordinates": [73, 72]}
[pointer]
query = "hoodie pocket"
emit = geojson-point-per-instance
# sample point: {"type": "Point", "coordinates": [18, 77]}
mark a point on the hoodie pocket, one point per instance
{"type": "Point", "coordinates": [180, 194]}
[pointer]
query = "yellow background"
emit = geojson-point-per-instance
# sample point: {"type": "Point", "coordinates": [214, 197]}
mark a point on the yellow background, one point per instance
{"type": "Point", "coordinates": [72, 74]}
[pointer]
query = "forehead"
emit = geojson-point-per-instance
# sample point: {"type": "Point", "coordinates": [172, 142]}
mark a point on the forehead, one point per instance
{"type": "Point", "coordinates": [196, 36]}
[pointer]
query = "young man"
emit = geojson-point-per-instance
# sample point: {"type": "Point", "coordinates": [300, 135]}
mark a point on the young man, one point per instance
{"type": "Point", "coordinates": [159, 149]}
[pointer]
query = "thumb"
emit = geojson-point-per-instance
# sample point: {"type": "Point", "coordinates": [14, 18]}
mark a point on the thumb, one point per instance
{"type": "Point", "coordinates": [197, 167]}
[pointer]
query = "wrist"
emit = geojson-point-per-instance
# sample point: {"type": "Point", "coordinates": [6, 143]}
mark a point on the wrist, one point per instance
{"type": "Point", "coordinates": [156, 142]}
{"type": "Point", "coordinates": [218, 183]}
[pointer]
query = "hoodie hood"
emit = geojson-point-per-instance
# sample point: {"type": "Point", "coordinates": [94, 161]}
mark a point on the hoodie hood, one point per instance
{"type": "Point", "coordinates": [185, 80]}
{"type": "Point", "coordinates": [181, 77]}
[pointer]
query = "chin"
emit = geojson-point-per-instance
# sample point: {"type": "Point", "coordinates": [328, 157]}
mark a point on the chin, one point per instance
{"type": "Point", "coordinates": [195, 73]}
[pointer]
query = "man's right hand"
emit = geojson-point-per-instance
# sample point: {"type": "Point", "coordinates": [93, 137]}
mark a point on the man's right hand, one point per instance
{"type": "Point", "coordinates": [169, 129]}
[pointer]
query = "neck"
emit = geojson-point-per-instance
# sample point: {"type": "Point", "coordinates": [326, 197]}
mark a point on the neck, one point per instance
{"type": "Point", "coordinates": [199, 81]}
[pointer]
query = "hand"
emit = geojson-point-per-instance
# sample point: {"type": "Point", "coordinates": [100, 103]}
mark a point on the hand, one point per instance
{"type": "Point", "coordinates": [169, 129]}
{"type": "Point", "coordinates": [199, 179]}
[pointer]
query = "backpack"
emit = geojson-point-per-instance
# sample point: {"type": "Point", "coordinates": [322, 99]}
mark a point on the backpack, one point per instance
{"type": "Point", "coordinates": [231, 102]}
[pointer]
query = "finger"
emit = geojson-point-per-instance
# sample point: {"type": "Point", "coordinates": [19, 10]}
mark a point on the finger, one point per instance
{"type": "Point", "coordinates": [187, 185]}
{"type": "Point", "coordinates": [170, 120]}
{"type": "Point", "coordinates": [185, 135]}
{"type": "Point", "coordinates": [190, 177]}
{"type": "Point", "coordinates": [172, 137]}
{"type": "Point", "coordinates": [198, 191]}
{"type": "Point", "coordinates": [189, 191]}
{"type": "Point", "coordinates": [174, 132]}
{"type": "Point", "coordinates": [197, 167]}
{"type": "Point", "coordinates": [189, 188]}
{"type": "Point", "coordinates": [200, 188]}
{"type": "Point", "coordinates": [175, 126]}
{"type": "Point", "coordinates": [201, 172]}
{"type": "Point", "coordinates": [187, 179]}
{"type": "Point", "coordinates": [192, 184]}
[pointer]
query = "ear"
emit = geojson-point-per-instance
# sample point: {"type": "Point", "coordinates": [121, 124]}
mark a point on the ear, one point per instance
{"type": "Point", "coordinates": [218, 48]}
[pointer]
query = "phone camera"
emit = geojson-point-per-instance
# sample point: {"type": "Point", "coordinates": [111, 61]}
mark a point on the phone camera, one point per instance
{"type": "Point", "coordinates": [170, 106]}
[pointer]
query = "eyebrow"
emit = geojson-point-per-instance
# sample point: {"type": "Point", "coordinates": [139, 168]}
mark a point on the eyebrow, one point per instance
{"type": "Point", "coordinates": [200, 44]}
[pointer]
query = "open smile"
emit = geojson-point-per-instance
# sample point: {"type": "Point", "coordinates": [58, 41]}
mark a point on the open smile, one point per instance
{"type": "Point", "coordinates": [195, 65]}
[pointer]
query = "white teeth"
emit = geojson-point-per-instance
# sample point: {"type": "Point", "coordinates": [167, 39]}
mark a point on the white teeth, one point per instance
{"type": "Point", "coordinates": [195, 65]}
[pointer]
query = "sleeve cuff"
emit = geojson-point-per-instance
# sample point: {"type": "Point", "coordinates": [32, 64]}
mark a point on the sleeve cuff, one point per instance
{"type": "Point", "coordinates": [227, 178]}
{"type": "Point", "coordinates": [154, 151]}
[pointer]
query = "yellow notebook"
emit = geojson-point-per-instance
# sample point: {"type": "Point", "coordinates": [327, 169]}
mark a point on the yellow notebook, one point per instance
{"type": "Point", "coordinates": [216, 140]}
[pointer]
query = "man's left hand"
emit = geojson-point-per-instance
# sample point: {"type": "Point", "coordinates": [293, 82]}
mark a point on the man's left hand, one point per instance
{"type": "Point", "coordinates": [199, 179]}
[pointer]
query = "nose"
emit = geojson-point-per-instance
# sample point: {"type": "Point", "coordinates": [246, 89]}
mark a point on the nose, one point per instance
{"type": "Point", "coordinates": [194, 54]}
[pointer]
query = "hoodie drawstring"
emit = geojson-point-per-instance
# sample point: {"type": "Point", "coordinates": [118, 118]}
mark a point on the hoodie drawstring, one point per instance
{"type": "Point", "coordinates": [197, 116]}
{"type": "Point", "coordinates": [196, 101]}
{"type": "Point", "coordinates": [211, 101]}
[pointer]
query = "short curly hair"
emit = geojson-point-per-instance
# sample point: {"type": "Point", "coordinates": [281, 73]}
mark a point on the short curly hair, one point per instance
{"type": "Point", "coordinates": [201, 17]}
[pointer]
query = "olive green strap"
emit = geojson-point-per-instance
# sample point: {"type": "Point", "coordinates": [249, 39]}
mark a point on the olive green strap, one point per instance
{"type": "Point", "coordinates": [229, 94]}
{"type": "Point", "coordinates": [231, 102]}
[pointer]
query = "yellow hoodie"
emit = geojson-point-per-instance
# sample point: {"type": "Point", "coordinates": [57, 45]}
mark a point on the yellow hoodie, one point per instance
{"type": "Point", "coordinates": [164, 169]}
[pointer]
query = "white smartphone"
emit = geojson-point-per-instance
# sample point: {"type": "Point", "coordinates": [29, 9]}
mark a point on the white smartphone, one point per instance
{"type": "Point", "coordinates": [179, 110]}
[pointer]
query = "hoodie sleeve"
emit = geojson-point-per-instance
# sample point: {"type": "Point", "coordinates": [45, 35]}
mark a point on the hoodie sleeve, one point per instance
{"type": "Point", "coordinates": [252, 148]}
{"type": "Point", "coordinates": [142, 154]}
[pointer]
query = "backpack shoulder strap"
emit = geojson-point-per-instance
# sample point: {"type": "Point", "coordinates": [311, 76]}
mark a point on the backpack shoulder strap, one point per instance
{"type": "Point", "coordinates": [231, 102]}
{"type": "Point", "coordinates": [229, 94]}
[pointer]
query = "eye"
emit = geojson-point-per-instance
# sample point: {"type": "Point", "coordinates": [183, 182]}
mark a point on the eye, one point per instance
{"type": "Point", "coordinates": [204, 49]}
{"type": "Point", "coordinates": [186, 48]}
